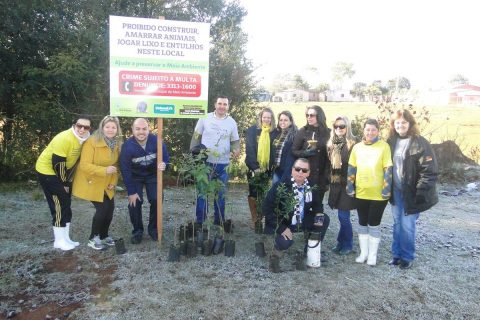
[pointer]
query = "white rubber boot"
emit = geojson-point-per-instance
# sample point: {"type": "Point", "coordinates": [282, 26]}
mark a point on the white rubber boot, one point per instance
{"type": "Point", "coordinates": [67, 236]}
{"type": "Point", "coordinates": [372, 250]}
{"type": "Point", "coordinates": [363, 243]}
{"type": "Point", "coordinates": [60, 241]}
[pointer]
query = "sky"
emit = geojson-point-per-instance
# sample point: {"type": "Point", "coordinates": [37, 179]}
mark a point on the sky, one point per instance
{"type": "Point", "coordinates": [425, 41]}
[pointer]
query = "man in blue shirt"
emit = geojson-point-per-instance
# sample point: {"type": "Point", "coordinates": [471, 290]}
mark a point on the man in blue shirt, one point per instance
{"type": "Point", "coordinates": [138, 164]}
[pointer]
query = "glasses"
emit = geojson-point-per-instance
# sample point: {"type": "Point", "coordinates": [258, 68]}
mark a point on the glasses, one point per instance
{"type": "Point", "coordinates": [80, 126]}
{"type": "Point", "coordinates": [304, 170]}
{"type": "Point", "coordinates": [340, 126]}
{"type": "Point", "coordinates": [310, 115]}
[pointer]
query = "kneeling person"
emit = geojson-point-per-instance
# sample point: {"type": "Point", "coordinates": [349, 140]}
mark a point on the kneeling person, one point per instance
{"type": "Point", "coordinates": [282, 220]}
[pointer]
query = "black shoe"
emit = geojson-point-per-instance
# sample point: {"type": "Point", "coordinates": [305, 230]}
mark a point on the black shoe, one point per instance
{"type": "Point", "coordinates": [394, 262]}
{"type": "Point", "coordinates": [336, 249]}
{"type": "Point", "coordinates": [154, 237]}
{"type": "Point", "coordinates": [136, 239]}
{"type": "Point", "coordinates": [406, 264]}
{"type": "Point", "coordinates": [345, 252]}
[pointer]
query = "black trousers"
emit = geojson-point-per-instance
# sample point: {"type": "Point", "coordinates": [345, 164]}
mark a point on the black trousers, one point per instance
{"type": "Point", "coordinates": [370, 212]}
{"type": "Point", "coordinates": [103, 217]}
{"type": "Point", "coordinates": [59, 201]}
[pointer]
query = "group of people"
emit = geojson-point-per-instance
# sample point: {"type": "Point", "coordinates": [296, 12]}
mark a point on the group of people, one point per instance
{"type": "Point", "coordinates": [294, 168]}
{"type": "Point", "coordinates": [361, 173]}
{"type": "Point", "coordinates": [88, 167]}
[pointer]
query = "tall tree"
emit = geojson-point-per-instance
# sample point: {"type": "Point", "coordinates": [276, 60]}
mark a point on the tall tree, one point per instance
{"type": "Point", "coordinates": [55, 64]}
{"type": "Point", "coordinates": [323, 87]}
{"type": "Point", "coordinates": [458, 79]}
{"type": "Point", "coordinates": [359, 90]}
{"type": "Point", "coordinates": [300, 83]}
{"type": "Point", "coordinates": [340, 71]}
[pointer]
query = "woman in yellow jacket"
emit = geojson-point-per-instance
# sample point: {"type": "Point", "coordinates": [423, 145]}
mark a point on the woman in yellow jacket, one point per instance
{"type": "Point", "coordinates": [97, 176]}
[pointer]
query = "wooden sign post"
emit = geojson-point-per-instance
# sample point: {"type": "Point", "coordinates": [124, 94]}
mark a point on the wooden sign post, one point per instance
{"type": "Point", "coordinates": [159, 180]}
{"type": "Point", "coordinates": [164, 77]}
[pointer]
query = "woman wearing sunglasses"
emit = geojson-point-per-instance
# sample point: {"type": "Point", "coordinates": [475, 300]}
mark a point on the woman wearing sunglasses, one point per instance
{"type": "Point", "coordinates": [55, 168]}
{"type": "Point", "coordinates": [310, 142]}
{"type": "Point", "coordinates": [97, 176]}
{"type": "Point", "coordinates": [369, 181]}
{"type": "Point", "coordinates": [339, 147]}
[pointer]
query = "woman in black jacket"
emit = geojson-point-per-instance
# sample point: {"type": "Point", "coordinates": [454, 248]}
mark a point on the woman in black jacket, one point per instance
{"type": "Point", "coordinates": [259, 158]}
{"type": "Point", "coordinates": [282, 144]}
{"type": "Point", "coordinates": [339, 146]}
{"type": "Point", "coordinates": [310, 142]}
{"type": "Point", "coordinates": [415, 174]}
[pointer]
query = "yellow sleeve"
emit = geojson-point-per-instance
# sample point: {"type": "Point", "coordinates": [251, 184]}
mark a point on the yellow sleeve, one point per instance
{"type": "Point", "coordinates": [59, 145]}
{"type": "Point", "coordinates": [353, 157]}
{"type": "Point", "coordinates": [387, 157]}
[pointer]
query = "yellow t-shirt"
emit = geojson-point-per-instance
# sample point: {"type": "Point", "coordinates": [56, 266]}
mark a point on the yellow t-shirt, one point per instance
{"type": "Point", "coordinates": [64, 144]}
{"type": "Point", "coordinates": [370, 161]}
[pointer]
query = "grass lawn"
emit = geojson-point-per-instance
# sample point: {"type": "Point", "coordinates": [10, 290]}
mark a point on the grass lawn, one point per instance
{"type": "Point", "coordinates": [458, 123]}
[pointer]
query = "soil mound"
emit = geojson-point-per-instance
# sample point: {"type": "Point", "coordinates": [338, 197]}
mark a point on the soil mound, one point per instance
{"type": "Point", "coordinates": [448, 152]}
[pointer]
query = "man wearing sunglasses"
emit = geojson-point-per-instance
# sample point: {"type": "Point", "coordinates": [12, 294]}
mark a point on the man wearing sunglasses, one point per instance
{"type": "Point", "coordinates": [291, 206]}
{"type": "Point", "coordinates": [55, 168]}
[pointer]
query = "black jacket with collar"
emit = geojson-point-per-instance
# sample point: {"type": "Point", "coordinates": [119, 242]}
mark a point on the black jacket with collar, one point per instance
{"type": "Point", "coordinates": [419, 176]}
{"type": "Point", "coordinates": [318, 158]}
{"type": "Point", "coordinates": [268, 209]}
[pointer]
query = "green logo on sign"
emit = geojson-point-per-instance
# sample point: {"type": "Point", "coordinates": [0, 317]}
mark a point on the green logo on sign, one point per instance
{"type": "Point", "coordinates": [164, 108]}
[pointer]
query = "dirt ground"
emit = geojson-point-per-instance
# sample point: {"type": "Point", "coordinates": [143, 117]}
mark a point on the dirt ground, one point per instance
{"type": "Point", "coordinates": [39, 282]}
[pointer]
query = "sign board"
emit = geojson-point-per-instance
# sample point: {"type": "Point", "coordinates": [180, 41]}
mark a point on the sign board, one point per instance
{"type": "Point", "coordinates": [158, 68]}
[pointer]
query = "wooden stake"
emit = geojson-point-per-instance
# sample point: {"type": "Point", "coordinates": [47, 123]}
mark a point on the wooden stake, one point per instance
{"type": "Point", "coordinates": [159, 180]}
{"type": "Point", "coordinates": [160, 176]}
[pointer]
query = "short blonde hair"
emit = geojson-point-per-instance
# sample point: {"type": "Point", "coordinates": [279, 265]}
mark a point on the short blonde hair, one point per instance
{"type": "Point", "coordinates": [99, 135]}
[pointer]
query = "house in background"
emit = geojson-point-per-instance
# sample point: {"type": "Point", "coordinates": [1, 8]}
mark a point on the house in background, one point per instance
{"type": "Point", "coordinates": [465, 94]}
{"type": "Point", "coordinates": [339, 95]}
{"type": "Point", "coordinates": [296, 95]}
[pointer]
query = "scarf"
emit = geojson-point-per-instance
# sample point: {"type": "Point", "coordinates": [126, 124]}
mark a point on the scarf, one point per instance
{"type": "Point", "coordinates": [338, 143]}
{"type": "Point", "coordinates": [336, 157]}
{"type": "Point", "coordinates": [80, 139]}
{"type": "Point", "coordinates": [279, 143]}
{"type": "Point", "coordinates": [111, 143]}
{"type": "Point", "coordinates": [370, 142]}
{"type": "Point", "coordinates": [302, 194]}
{"type": "Point", "coordinates": [263, 151]}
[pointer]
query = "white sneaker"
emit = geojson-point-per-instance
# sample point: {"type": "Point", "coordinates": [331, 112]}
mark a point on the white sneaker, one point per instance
{"type": "Point", "coordinates": [96, 243]}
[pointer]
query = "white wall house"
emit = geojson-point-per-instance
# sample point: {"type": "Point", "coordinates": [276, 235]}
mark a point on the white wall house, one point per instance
{"type": "Point", "coordinates": [339, 95]}
{"type": "Point", "coordinates": [296, 95]}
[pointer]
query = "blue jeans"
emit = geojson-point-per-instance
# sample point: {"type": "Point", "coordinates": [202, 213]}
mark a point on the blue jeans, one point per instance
{"type": "Point", "coordinates": [345, 234]}
{"type": "Point", "coordinates": [218, 172]}
{"type": "Point", "coordinates": [136, 212]}
{"type": "Point", "coordinates": [404, 230]}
